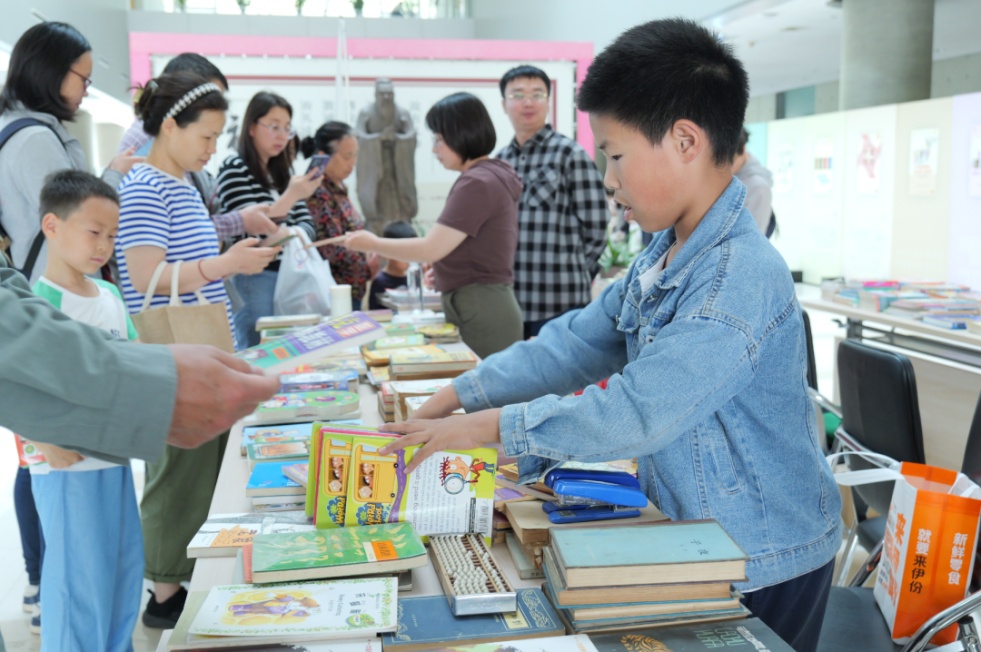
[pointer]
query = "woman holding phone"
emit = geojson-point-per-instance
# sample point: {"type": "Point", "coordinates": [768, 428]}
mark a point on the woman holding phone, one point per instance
{"type": "Point", "coordinates": [473, 242]}
{"type": "Point", "coordinates": [330, 205]}
{"type": "Point", "coordinates": [261, 174]}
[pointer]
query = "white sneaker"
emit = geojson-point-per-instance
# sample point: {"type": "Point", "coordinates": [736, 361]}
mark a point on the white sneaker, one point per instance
{"type": "Point", "coordinates": [31, 592]}
{"type": "Point", "coordinates": [35, 624]}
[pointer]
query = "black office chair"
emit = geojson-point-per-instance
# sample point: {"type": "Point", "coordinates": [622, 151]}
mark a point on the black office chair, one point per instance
{"type": "Point", "coordinates": [853, 621]}
{"type": "Point", "coordinates": [880, 413]}
{"type": "Point", "coordinates": [830, 413]}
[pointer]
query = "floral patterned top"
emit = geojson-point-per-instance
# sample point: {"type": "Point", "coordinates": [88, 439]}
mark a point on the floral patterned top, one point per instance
{"type": "Point", "coordinates": [333, 215]}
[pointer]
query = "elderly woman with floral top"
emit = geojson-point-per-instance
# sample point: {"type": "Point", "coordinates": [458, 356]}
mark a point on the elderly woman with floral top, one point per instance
{"type": "Point", "coordinates": [331, 208]}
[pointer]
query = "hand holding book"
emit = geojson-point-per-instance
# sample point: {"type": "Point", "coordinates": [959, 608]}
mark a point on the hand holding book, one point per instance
{"type": "Point", "coordinates": [459, 432]}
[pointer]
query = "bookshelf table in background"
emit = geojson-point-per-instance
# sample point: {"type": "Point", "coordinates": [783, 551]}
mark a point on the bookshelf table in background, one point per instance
{"type": "Point", "coordinates": [230, 498]}
{"type": "Point", "coordinates": [946, 363]}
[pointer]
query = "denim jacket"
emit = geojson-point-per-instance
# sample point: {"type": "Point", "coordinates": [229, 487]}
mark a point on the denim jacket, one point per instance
{"type": "Point", "coordinates": [707, 390]}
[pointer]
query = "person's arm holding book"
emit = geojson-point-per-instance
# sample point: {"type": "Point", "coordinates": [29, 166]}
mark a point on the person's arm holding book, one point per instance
{"type": "Point", "coordinates": [435, 245]}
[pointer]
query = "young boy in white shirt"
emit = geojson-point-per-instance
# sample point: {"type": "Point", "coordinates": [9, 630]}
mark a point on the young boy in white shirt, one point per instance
{"type": "Point", "coordinates": [93, 563]}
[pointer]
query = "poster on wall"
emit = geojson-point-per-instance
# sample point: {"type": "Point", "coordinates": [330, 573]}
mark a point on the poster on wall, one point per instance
{"type": "Point", "coordinates": [974, 164]}
{"type": "Point", "coordinates": [924, 159]}
{"type": "Point", "coordinates": [869, 168]}
{"type": "Point", "coordinates": [783, 173]}
{"type": "Point", "coordinates": [823, 174]}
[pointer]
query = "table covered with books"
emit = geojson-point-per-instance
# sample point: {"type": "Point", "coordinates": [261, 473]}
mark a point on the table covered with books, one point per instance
{"type": "Point", "coordinates": [266, 575]}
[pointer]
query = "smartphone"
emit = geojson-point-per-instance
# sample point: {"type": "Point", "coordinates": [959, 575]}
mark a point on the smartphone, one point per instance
{"type": "Point", "coordinates": [279, 242]}
{"type": "Point", "coordinates": [318, 162]}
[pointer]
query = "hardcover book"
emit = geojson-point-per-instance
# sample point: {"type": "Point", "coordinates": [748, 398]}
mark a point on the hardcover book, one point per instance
{"type": "Point", "coordinates": [306, 406]}
{"type": "Point", "coordinates": [339, 552]}
{"type": "Point", "coordinates": [244, 614]}
{"type": "Point", "coordinates": [531, 525]}
{"type": "Point", "coordinates": [298, 473]}
{"type": "Point", "coordinates": [670, 552]}
{"type": "Point", "coordinates": [223, 534]}
{"type": "Point", "coordinates": [314, 343]}
{"type": "Point", "coordinates": [269, 479]}
{"type": "Point", "coordinates": [430, 358]}
{"type": "Point", "coordinates": [572, 643]}
{"type": "Point", "coordinates": [427, 622]}
{"type": "Point", "coordinates": [749, 634]}
{"type": "Point", "coordinates": [275, 434]}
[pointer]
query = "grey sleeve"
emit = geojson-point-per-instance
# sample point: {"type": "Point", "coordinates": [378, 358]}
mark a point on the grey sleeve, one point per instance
{"type": "Point", "coordinates": [69, 384]}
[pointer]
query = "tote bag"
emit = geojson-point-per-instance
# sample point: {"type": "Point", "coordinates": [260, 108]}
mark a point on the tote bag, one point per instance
{"type": "Point", "coordinates": [304, 279]}
{"type": "Point", "coordinates": [928, 551]}
{"type": "Point", "coordinates": [176, 323]}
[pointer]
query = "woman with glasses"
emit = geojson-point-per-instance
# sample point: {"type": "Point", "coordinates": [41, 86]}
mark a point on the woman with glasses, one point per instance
{"type": "Point", "coordinates": [49, 75]}
{"type": "Point", "coordinates": [261, 174]}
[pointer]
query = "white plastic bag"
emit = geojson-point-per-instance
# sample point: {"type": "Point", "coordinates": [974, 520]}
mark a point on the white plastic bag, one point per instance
{"type": "Point", "coordinates": [304, 280]}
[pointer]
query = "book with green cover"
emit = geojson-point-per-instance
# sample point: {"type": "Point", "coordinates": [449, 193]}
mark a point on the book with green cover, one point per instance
{"type": "Point", "coordinates": [294, 407]}
{"type": "Point", "coordinates": [749, 634]}
{"type": "Point", "coordinates": [660, 553]}
{"type": "Point", "coordinates": [339, 552]}
{"type": "Point", "coordinates": [427, 622]}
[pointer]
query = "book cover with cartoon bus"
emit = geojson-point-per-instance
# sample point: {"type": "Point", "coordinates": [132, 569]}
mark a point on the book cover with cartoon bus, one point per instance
{"type": "Point", "coordinates": [451, 492]}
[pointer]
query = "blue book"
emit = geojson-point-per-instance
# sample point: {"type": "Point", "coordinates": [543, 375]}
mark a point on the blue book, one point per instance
{"type": "Point", "coordinates": [426, 622]}
{"type": "Point", "coordinates": [267, 479]}
{"type": "Point", "coordinates": [659, 553]}
{"type": "Point", "coordinates": [275, 434]}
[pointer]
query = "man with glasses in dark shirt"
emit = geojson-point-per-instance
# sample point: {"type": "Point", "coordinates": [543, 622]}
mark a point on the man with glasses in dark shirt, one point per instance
{"type": "Point", "coordinates": [562, 212]}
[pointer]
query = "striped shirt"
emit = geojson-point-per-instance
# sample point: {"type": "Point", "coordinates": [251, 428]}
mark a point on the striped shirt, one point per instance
{"type": "Point", "coordinates": [562, 218]}
{"type": "Point", "coordinates": [237, 188]}
{"type": "Point", "coordinates": [159, 210]}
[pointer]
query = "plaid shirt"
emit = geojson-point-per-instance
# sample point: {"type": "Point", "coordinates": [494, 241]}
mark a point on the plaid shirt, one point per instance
{"type": "Point", "coordinates": [562, 220]}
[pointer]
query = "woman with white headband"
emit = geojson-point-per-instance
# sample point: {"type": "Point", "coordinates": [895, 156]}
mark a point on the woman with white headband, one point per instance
{"type": "Point", "coordinates": [162, 218]}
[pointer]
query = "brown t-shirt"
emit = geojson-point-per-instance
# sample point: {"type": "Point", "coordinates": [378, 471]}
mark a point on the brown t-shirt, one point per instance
{"type": "Point", "coordinates": [483, 203]}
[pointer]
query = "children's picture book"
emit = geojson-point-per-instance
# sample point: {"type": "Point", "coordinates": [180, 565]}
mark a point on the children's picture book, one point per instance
{"type": "Point", "coordinates": [314, 343]}
{"type": "Point", "coordinates": [427, 622]}
{"type": "Point", "coordinates": [269, 479]}
{"type": "Point", "coordinates": [338, 552]}
{"type": "Point", "coordinates": [306, 406]}
{"type": "Point", "coordinates": [451, 492]}
{"type": "Point", "coordinates": [668, 552]}
{"type": "Point", "coordinates": [336, 483]}
{"type": "Point", "coordinates": [378, 375]}
{"type": "Point", "coordinates": [223, 534]}
{"type": "Point", "coordinates": [276, 434]}
{"type": "Point", "coordinates": [440, 333]}
{"type": "Point", "coordinates": [27, 453]}
{"type": "Point", "coordinates": [429, 359]}
{"type": "Point", "coordinates": [338, 609]}
{"type": "Point", "coordinates": [749, 634]}
{"type": "Point", "coordinates": [291, 451]}
{"type": "Point", "coordinates": [311, 381]}
{"type": "Point", "coordinates": [298, 473]}
{"type": "Point", "coordinates": [403, 389]}
{"type": "Point", "coordinates": [391, 341]}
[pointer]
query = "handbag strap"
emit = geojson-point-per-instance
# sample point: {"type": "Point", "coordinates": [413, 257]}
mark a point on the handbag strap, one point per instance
{"type": "Point", "coordinates": [175, 299]}
{"type": "Point", "coordinates": [152, 287]}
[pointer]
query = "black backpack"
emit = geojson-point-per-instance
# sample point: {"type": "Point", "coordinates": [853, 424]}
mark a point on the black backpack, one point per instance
{"type": "Point", "coordinates": [5, 242]}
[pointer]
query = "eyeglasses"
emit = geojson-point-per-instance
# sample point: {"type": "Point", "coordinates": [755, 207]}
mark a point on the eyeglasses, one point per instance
{"type": "Point", "coordinates": [85, 80]}
{"type": "Point", "coordinates": [535, 97]}
{"type": "Point", "coordinates": [276, 130]}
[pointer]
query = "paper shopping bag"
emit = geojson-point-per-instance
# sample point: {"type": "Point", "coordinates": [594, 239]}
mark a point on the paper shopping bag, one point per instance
{"type": "Point", "coordinates": [928, 554]}
{"type": "Point", "coordinates": [176, 323]}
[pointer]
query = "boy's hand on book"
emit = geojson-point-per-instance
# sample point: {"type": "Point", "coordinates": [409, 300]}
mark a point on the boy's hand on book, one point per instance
{"type": "Point", "coordinates": [460, 432]}
{"type": "Point", "coordinates": [58, 457]}
{"type": "Point", "coordinates": [214, 390]}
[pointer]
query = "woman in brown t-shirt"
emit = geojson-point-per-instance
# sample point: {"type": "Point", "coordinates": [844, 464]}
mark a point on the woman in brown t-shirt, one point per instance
{"type": "Point", "coordinates": [473, 242]}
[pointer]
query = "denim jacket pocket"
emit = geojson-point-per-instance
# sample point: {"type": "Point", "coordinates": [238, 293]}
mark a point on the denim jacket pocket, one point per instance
{"type": "Point", "coordinates": [543, 188]}
{"type": "Point", "coordinates": [714, 439]}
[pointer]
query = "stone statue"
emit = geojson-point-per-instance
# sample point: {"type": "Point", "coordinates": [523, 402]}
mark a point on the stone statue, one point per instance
{"type": "Point", "coordinates": [386, 160]}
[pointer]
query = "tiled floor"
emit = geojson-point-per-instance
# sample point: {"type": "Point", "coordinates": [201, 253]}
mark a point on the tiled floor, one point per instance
{"type": "Point", "coordinates": [14, 621]}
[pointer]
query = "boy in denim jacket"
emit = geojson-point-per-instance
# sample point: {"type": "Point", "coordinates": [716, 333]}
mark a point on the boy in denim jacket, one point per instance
{"type": "Point", "coordinates": [703, 340]}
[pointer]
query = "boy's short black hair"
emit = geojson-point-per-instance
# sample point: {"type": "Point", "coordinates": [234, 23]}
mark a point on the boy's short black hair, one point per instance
{"type": "Point", "coordinates": [668, 70]}
{"type": "Point", "coordinates": [399, 229]}
{"type": "Point", "coordinates": [463, 123]}
{"type": "Point", "coordinates": [64, 191]}
{"type": "Point", "coordinates": [193, 62]}
{"type": "Point", "coordinates": [525, 71]}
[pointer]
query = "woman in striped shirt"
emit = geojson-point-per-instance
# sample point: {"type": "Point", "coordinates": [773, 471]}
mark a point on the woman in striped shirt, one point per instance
{"type": "Point", "coordinates": [162, 218]}
{"type": "Point", "coordinates": [260, 174]}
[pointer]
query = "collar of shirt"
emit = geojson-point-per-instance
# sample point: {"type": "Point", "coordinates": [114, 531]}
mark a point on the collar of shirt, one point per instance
{"type": "Point", "coordinates": [540, 138]}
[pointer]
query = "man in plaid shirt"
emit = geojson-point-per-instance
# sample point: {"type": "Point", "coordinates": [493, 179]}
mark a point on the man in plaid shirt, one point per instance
{"type": "Point", "coordinates": [562, 213]}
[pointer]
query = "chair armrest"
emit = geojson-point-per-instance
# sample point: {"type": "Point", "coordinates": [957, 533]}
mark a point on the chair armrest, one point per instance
{"type": "Point", "coordinates": [824, 403]}
{"type": "Point", "coordinates": [921, 638]}
{"type": "Point", "coordinates": [871, 563]}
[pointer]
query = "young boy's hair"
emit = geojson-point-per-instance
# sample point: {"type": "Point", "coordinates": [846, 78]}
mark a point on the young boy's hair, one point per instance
{"type": "Point", "coordinates": [399, 229]}
{"type": "Point", "coordinates": [668, 70]}
{"type": "Point", "coordinates": [525, 71]}
{"type": "Point", "coordinates": [64, 191]}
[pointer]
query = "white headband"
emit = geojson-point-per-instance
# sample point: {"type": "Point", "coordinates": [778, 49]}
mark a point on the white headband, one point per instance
{"type": "Point", "coordinates": [190, 97]}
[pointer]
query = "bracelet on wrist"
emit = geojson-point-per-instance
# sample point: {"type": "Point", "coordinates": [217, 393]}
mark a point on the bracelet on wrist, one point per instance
{"type": "Point", "coordinates": [203, 275]}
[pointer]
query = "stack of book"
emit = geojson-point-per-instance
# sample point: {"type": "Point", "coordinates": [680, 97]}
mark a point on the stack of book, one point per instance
{"type": "Point", "coordinates": [386, 402]}
{"type": "Point", "coordinates": [402, 390]}
{"type": "Point", "coordinates": [222, 535]}
{"type": "Point", "coordinates": [623, 577]}
{"type": "Point", "coordinates": [270, 489]}
{"type": "Point", "coordinates": [428, 362]}
{"type": "Point", "coordinates": [295, 407]}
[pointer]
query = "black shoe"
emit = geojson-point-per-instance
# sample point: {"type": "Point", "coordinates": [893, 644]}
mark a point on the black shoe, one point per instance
{"type": "Point", "coordinates": [164, 615]}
